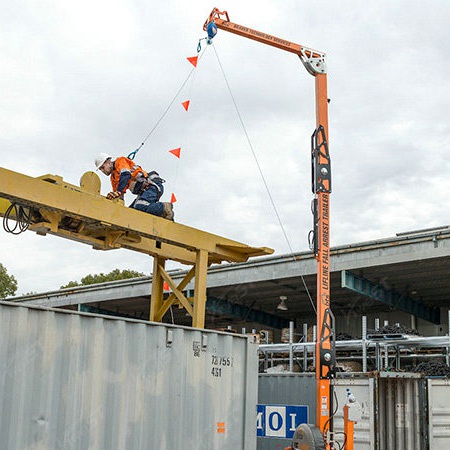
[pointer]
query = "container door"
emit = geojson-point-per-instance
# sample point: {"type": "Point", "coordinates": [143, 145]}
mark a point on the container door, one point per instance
{"type": "Point", "coordinates": [363, 390]}
{"type": "Point", "coordinates": [439, 413]}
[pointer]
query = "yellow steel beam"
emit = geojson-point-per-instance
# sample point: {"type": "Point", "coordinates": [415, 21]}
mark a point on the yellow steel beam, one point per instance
{"type": "Point", "coordinates": [157, 295]}
{"type": "Point", "coordinates": [177, 294]}
{"type": "Point", "coordinates": [81, 214]}
{"type": "Point", "coordinates": [201, 267]}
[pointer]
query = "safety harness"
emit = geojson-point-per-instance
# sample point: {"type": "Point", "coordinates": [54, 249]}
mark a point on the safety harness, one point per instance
{"type": "Point", "coordinates": [140, 182]}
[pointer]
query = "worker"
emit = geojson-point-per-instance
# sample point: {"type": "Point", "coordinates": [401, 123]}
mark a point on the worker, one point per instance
{"type": "Point", "coordinates": [125, 175]}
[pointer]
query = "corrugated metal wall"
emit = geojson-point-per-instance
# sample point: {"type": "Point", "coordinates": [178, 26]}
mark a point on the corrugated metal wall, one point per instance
{"type": "Point", "coordinates": [393, 406]}
{"type": "Point", "coordinates": [74, 381]}
{"type": "Point", "coordinates": [394, 413]}
{"type": "Point", "coordinates": [364, 391]}
{"type": "Point", "coordinates": [439, 413]}
{"type": "Point", "coordinates": [400, 411]}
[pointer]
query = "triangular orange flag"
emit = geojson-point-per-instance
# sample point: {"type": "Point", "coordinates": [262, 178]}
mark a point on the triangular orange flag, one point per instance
{"type": "Point", "coordinates": [173, 199]}
{"type": "Point", "coordinates": [166, 286]}
{"type": "Point", "coordinates": [176, 152]}
{"type": "Point", "coordinates": [186, 104]}
{"type": "Point", "coordinates": [193, 60]}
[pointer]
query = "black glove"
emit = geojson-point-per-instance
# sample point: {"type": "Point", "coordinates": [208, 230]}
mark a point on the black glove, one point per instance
{"type": "Point", "coordinates": [113, 195]}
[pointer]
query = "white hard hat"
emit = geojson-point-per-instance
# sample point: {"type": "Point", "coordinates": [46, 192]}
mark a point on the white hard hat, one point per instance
{"type": "Point", "coordinates": [101, 158]}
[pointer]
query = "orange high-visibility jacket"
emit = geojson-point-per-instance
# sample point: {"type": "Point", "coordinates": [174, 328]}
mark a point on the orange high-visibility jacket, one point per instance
{"type": "Point", "coordinates": [124, 167]}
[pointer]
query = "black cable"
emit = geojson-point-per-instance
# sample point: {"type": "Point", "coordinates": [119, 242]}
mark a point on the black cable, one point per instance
{"type": "Point", "coordinates": [341, 447]}
{"type": "Point", "coordinates": [345, 440]}
{"type": "Point", "coordinates": [20, 215]}
{"type": "Point", "coordinates": [332, 415]}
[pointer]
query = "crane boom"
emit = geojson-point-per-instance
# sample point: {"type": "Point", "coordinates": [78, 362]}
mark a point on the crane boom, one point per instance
{"type": "Point", "coordinates": [314, 62]}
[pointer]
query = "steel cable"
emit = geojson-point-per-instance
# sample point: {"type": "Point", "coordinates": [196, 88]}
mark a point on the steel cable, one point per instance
{"type": "Point", "coordinates": [132, 154]}
{"type": "Point", "coordinates": [255, 157]}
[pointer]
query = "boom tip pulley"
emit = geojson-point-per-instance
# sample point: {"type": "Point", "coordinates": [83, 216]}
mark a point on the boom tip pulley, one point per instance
{"type": "Point", "coordinates": [313, 61]}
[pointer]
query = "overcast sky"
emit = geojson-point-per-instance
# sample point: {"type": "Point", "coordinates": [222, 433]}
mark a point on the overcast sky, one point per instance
{"type": "Point", "coordinates": [82, 77]}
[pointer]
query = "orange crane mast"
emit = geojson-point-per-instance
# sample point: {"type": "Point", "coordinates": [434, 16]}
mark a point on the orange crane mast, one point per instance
{"type": "Point", "coordinates": [314, 62]}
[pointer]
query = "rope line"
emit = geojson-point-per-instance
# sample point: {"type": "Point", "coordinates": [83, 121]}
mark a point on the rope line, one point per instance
{"type": "Point", "coordinates": [262, 174]}
{"type": "Point", "coordinates": [185, 125]}
{"type": "Point", "coordinates": [167, 109]}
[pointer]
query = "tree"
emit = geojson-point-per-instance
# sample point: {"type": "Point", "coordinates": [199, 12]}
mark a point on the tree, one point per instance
{"type": "Point", "coordinates": [8, 283]}
{"type": "Point", "coordinates": [116, 274]}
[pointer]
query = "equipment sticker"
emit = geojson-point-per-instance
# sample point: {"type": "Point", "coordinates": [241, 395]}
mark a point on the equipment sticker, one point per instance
{"type": "Point", "coordinates": [279, 421]}
{"type": "Point", "coordinates": [220, 364]}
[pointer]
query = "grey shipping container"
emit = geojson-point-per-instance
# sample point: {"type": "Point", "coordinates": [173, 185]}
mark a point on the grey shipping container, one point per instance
{"type": "Point", "coordinates": [363, 388]}
{"type": "Point", "coordinates": [74, 381]}
{"type": "Point", "coordinates": [394, 412]}
{"type": "Point", "coordinates": [393, 407]}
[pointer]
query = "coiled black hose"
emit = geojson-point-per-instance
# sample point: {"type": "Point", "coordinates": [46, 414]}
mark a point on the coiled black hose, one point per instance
{"type": "Point", "coordinates": [22, 218]}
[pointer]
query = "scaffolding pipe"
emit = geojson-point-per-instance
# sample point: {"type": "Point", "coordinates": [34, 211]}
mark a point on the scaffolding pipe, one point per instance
{"type": "Point", "coordinates": [364, 347]}
{"type": "Point", "coordinates": [291, 350]}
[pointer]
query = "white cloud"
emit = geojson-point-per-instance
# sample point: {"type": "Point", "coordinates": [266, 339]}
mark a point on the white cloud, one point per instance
{"type": "Point", "coordinates": [95, 76]}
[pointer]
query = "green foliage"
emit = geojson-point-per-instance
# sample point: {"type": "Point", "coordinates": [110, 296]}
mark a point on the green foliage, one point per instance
{"type": "Point", "coordinates": [116, 274]}
{"type": "Point", "coordinates": [8, 283]}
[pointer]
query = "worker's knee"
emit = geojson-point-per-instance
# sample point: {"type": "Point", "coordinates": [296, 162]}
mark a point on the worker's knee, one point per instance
{"type": "Point", "coordinates": [155, 208]}
{"type": "Point", "coordinates": [153, 193]}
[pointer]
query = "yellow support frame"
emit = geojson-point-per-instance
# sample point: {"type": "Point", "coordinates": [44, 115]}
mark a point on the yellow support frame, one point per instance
{"type": "Point", "coordinates": [82, 214]}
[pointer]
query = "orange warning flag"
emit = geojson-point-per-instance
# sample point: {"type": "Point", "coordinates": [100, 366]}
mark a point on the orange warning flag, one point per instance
{"type": "Point", "coordinates": [186, 104]}
{"type": "Point", "coordinates": [176, 152]}
{"type": "Point", "coordinates": [173, 199]}
{"type": "Point", "coordinates": [193, 60]}
{"type": "Point", "coordinates": [166, 286]}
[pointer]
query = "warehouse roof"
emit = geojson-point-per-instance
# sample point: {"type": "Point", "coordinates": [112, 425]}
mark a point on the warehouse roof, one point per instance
{"type": "Point", "coordinates": [408, 271]}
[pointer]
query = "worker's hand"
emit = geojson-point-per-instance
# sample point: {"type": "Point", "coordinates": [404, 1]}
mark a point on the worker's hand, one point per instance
{"type": "Point", "coordinates": [113, 195]}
